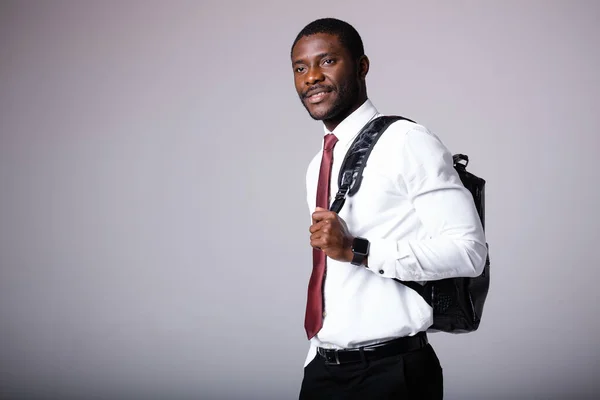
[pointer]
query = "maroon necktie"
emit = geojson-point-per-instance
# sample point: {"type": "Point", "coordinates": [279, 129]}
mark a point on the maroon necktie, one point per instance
{"type": "Point", "coordinates": [313, 320]}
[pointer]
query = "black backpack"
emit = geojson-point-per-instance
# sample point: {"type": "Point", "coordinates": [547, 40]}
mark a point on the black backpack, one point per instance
{"type": "Point", "coordinates": [457, 302]}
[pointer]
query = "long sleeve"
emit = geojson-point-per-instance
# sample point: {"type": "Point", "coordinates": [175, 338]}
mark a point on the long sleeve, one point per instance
{"type": "Point", "coordinates": [455, 242]}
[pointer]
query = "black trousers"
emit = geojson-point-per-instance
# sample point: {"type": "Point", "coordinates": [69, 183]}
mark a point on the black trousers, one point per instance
{"type": "Point", "coordinates": [408, 376]}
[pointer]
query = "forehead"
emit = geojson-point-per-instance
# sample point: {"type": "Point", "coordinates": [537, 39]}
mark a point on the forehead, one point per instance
{"type": "Point", "coordinates": [317, 44]}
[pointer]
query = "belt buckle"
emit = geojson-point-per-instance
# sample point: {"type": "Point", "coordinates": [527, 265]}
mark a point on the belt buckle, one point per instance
{"type": "Point", "coordinates": [329, 360]}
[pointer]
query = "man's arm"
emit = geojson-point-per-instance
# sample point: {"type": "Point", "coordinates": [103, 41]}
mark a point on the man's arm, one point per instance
{"type": "Point", "coordinates": [456, 243]}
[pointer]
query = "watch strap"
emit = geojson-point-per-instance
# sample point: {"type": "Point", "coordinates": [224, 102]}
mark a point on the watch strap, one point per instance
{"type": "Point", "coordinates": [360, 250]}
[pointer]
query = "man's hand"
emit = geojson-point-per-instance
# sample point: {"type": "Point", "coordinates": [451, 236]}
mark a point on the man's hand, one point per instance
{"type": "Point", "coordinates": [330, 234]}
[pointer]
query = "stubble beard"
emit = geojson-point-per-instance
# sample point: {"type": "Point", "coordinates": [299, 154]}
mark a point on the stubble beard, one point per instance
{"type": "Point", "coordinates": [346, 95]}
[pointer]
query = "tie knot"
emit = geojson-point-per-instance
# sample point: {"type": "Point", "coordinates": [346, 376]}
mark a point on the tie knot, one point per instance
{"type": "Point", "coordinates": [329, 141]}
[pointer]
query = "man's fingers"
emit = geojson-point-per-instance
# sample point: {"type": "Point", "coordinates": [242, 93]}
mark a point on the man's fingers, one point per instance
{"type": "Point", "coordinates": [321, 241]}
{"type": "Point", "coordinates": [322, 225]}
{"type": "Point", "coordinates": [315, 241]}
{"type": "Point", "coordinates": [315, 227]}
{"type": "Point", "coordinates": [321, 214]}
{"type": "Point", "coordinates": [317, 216]}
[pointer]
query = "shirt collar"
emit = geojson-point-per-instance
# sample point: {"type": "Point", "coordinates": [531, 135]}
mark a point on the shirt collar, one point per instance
{"type": "Point", "coordinates": [349, 127]}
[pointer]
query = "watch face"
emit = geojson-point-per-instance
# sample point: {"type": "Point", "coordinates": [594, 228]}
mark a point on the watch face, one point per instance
{"type": "Point", "coordinates": [360, 245]}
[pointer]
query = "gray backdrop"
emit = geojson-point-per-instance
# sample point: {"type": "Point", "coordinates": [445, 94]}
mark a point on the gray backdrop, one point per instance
{"type": "Point", "coordinates": [154, 229]}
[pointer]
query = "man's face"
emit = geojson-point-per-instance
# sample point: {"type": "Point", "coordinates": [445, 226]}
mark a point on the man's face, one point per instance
{"type": "Point", "coordinates": [325, 76]}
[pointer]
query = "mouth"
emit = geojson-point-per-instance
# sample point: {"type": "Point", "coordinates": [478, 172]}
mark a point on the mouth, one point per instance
{"type": "Point", "coordinates": [317, 95]}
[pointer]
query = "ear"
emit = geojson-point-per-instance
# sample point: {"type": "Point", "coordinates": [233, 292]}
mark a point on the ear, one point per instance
{"type": "Point", "coordinates": [363, 67]}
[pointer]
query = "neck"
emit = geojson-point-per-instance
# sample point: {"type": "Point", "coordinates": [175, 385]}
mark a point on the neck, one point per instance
{"type": "Point", "coordinates": [331, 124]}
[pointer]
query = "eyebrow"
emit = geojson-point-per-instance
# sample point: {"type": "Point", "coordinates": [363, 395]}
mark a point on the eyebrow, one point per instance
{"type": "Point", "coordinates": [321, 55]}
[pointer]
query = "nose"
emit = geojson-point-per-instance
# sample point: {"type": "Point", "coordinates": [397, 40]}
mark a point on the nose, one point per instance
{"type": "Point", "coordinates": [314, 75]}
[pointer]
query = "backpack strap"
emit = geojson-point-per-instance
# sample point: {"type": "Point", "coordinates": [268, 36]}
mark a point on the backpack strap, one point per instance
{"type": "Point", "coordinates": [354, 163]}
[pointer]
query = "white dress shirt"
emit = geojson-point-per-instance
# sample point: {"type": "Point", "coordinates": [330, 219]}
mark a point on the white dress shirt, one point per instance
{"type": "Point", "coordinates": [422, 225]}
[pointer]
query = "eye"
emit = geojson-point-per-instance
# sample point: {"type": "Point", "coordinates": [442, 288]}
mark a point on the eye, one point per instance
{"type": "Point", "coordinates": [299, 69]}
{"type": "Point", "coordinates": [329, 61]}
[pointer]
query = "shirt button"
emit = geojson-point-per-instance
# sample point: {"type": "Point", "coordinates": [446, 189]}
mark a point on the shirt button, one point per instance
{"type": "Point", "coordinates": [324, 314]}
{"type": "Point", "coordinates": [381, 271]}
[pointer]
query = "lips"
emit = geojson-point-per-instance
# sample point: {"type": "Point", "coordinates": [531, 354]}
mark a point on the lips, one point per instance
{"type": "Point", "coordinates": [317, 95]}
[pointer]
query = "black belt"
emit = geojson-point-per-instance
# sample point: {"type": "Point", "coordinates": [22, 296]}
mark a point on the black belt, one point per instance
{"type": "Point", "coordinates": [374, 352]}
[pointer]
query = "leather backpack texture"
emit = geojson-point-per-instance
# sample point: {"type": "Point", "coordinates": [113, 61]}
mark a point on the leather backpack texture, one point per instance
{"type": "Point", "coordinates": [457, 302]}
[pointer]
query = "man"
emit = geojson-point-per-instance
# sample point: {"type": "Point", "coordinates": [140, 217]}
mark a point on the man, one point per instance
{"type": "Point", "coordinates": [412, 219]}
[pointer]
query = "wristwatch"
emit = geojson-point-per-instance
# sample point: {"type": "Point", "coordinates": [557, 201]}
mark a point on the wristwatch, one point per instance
{"type": "Point", "coordinates": [360, 249]}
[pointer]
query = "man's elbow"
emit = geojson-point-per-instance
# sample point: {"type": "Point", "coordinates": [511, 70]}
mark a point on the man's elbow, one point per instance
{"type": "Point", "coordinates": [477, 255]}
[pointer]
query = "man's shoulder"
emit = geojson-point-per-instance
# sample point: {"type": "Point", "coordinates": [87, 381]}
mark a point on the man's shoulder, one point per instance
{"type": "Point", "coordinates": [404, 124]}
{"type": "Point", "coordinates": [399, 130]}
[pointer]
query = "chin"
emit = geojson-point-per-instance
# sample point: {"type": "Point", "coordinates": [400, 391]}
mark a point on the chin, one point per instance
{"type": "Point", "coordinates": [320, 114]}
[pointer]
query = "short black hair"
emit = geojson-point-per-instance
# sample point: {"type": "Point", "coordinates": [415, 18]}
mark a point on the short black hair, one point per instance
{"type": "Point", "coordinates": [345, 32]}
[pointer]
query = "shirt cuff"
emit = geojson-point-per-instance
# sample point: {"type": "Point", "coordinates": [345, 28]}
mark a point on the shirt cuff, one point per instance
{"type": "Point", "coordinates": [391, 259]}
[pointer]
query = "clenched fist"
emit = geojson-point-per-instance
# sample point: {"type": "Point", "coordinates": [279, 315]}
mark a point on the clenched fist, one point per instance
{"type": "Point", "coordinates": [330, 234]}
